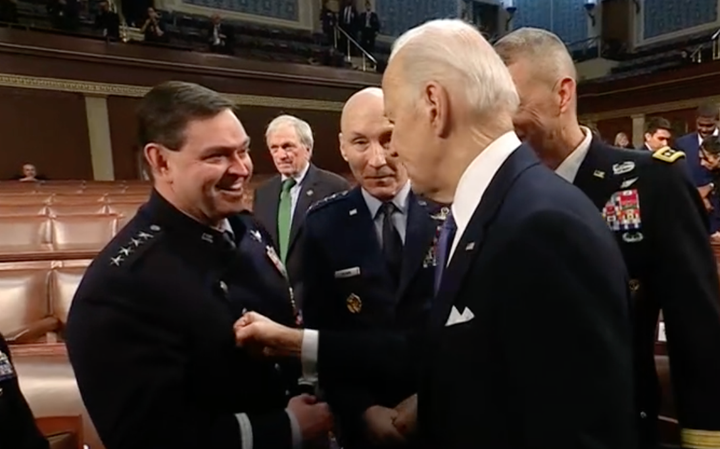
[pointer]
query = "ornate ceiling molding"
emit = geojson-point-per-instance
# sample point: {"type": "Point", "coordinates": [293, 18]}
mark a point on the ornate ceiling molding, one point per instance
{"type": "Point", "coordinates": [126, 90]}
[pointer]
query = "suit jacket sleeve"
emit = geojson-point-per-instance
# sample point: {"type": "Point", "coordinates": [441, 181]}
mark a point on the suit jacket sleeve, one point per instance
{"type": "Point", "coordinates": [564, 328]}
{"type": "Point", "coordinates": [684, 278]}
{"type": "Point", "coordinates": [147, 409]}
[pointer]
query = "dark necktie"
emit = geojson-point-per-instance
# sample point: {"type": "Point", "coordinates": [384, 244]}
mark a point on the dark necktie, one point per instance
{"type": "Point", "coordinates": [392, 243]}
{"type": "Point", "coordinates": [445, 241]}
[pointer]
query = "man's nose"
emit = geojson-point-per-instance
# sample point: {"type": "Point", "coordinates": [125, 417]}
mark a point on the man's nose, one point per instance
{"type": "Point", "coordinates": [378, 155]}
{"type": "Point", "coordinates": [238, 166]}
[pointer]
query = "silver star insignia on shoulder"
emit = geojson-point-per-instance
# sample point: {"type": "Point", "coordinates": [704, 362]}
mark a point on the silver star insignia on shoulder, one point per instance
{"type": "Point", "coordinates": [125, 251]}
{"type": "Point", "coordinates": [135, 242]}
{"type": "Point", "coordinates": [255, 234]}
{"type": "Point", "coordinates": [116, 260]}
{"type": "Point", "coordinates": [144, 235]}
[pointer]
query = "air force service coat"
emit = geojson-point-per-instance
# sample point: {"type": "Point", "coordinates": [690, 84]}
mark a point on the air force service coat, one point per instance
{"type": "Point", "coordinates": [654, 209]}
{"type": "Point", "coordinates": [150, 336]}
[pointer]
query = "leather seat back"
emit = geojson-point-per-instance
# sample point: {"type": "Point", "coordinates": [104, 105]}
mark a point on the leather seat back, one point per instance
{"type": "Point", "coordinates": [23, 298]}
{"type": "Point", "coordinates": [83, 232]}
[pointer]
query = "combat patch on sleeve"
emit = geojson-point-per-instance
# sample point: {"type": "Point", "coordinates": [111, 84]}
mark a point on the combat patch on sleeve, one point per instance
{"type": "Point", "coordinates": [668, 155]}
{"type": "Point", "coordinates": [138, 244]}
{"type": "Point", "coordinates": [327, 200]}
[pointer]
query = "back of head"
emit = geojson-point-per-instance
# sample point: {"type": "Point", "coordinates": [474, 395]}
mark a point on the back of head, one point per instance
{"type": "Point", "coordinates": [165, 111]}
{"type": "Point", "coordinates": [544, 53]}
{"type": "Point", "coordinates": [454, 54]}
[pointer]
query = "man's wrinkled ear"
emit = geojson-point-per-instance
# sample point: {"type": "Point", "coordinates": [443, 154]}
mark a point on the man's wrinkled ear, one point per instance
{"type": "Point", "coordinates": [436, 101]}
{"type": "Point", "coordinates": [342, 147]}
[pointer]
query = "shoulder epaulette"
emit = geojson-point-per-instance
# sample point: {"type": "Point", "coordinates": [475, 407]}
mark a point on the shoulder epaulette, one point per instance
{"type": "Point", "coordinates": [132, 250]}
{"type": "Point", "coordinates": [327, 200]}
{"type": "Point", "coordinates": [668, 155]}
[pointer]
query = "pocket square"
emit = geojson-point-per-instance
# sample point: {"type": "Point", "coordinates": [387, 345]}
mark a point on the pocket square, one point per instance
{"type": "Point", "coordinates": [456, 317]}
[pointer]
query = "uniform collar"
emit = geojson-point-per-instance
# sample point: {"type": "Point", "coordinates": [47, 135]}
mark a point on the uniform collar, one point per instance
{"type": "Point", "coordinates": [400, 200]}
{"type": "Point", "coordinates": [568, 169]}
{"type": "Point", "coordinates": [170, 218]}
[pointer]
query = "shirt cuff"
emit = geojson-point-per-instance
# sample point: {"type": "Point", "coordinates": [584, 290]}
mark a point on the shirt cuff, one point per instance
{"type": "Point", "coordinates": [297, 441]}
{"type": "Point", "coordinates": [246, 434]}
{"type": "Point", "coordinates": [309, 355]}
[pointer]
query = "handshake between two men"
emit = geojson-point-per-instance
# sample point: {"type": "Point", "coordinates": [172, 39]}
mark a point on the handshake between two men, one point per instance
{"type": "Point", "coordinates": [384, 427]}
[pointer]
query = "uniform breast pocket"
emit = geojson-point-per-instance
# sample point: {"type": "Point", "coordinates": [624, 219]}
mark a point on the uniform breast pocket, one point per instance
{"type": "Point", "coordinates": [364, 300]}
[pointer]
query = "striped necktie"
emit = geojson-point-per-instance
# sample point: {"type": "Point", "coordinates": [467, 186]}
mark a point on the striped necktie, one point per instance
{"type": "Point", "coordinates": [284, 218]}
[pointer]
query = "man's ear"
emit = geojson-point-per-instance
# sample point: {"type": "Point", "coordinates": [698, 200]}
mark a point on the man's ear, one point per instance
{"type": "Point", "coordinates": [648, 136]}
{"type": "Point", "coordinates": [342, 147]}
{"type": "Point", "coordinates": [436, 101]}
{"type": "Point", "coordinates": [566, 92]}
{"type": "Point", "coordinates": [156, 157]}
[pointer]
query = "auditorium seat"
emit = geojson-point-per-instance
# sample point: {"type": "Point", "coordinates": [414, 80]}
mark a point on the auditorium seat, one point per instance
{"type": "Point", "coordinates": [22, 210]}
{"type": "Point", "coordinates": [24, 235]}
{"type": "Point", "coordinates": [64, 282]}
{"type": "Point", "coordinates": [23, 301]}
{"type": "Point", "coordinates": [95, 208]}
{"type": "Point", "coordinates": [83, 232]}
{"type": "Point", "coordinates": [83, 198]}
{"type": "Point", "coordinates": [19, 199]}
{"type": "Point", "coordinates": [137, 198]}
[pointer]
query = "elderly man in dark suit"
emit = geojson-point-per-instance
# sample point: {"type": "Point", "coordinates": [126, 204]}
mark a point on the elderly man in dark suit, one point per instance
{"type": "Point", "coordinates": [282, 202]}
{"type": "Point", "coordinates": [650, 203]}
{"type": "Point", "coordinates": [529, 342]}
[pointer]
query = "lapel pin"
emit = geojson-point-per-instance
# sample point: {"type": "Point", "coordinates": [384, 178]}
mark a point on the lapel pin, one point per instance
{"type": "Point", "coordinates": [353, 212]}
{"type": "Point", "coordinates": [599, 174]}
{"type": "Point", "coordinates": [256, 235]}
{"type": "Point", "coordinates": [207, 238]}
{"type": "Point", "coordinates": [470, 246]}
{"type": "Point", "coordinates": [310, 193]}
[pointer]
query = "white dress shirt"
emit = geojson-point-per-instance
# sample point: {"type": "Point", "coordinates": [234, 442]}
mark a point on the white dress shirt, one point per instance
{"type": "Point", "coordinates": [399, 218]}
{"type": "Point", "coordinates": [299, 177]}
{"type": "Point", "coordinates": [568, 169]}
{"type": "Point", "coordinates": [475, 180]}
{"type": "Point", "coordinates": [700, 139]}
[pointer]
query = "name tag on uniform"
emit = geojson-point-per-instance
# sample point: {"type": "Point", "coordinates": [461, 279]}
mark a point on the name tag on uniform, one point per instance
{"type": "Point", "coordinates": [347, 273]}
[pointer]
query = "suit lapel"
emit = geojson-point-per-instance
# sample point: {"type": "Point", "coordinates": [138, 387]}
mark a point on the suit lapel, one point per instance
{"type": "Point", "coordinates": [419, 235]}
{"type": "Point", "coordinates": [596, 175]}
{"type": "Point", "coordinates": [471, 240]}
{"type": "Point", "coordinates": [305, 199]}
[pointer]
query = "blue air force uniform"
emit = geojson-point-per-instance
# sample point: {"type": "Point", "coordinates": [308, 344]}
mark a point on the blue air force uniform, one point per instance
{"type": "Point", "coordinates": [350, 287]}
{"type": "Point", "coordinates": [652, 206]}
{"type": "Point", "coordinates": [150, 336]}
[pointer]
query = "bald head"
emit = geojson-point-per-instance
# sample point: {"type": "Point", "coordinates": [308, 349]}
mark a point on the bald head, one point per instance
{"type": "Point", "coordinates": [365, 135]}
{"type": "Point", "coordinates": [541, 52]}
{"type": "Point", "coordinates": [362, 104]}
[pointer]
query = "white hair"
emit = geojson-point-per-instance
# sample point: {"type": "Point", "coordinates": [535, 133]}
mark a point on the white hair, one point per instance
{"type": "Point", "coordinates": [546, 52]}
{"type": "Point", "coordinates": [302, 129]}
{"type": "Point", "coordinates": [454, 53]}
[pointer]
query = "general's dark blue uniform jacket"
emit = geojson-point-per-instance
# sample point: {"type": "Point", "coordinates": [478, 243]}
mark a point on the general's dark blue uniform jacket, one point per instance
{"type": "Point", "coordinates": [348, 286]}
{"type": "Point", "coordinates": [150, 336]}
{"type": "Point", "coordinates": [650, 203]}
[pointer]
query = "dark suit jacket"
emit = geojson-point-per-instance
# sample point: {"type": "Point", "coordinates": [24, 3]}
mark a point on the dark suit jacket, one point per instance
{"type": "Point", "coordinates": [690, 145]}
{"type": "Point", "coordinates": [546, 362]}
{"type": "Point", "coordinates": [374, 21]}
{"type": "Point", "coordinates": [668, 255]}
{"type": "Point", "coordinates": [316, 185]}
{"type": "Point", "coordinates": [348, 288]}
{"type": "Point", "coordinates": [150, 336]}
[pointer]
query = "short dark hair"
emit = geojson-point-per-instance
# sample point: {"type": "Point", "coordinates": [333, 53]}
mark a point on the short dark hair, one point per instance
{"type": "Point", "coordinates": [707, 110]}
{"type": "Point", "coordinates": [711, 144]}
{"type": "Point", "coordinates": [657, 123]}
{"type": "Point", "coordinates": [165, 111]}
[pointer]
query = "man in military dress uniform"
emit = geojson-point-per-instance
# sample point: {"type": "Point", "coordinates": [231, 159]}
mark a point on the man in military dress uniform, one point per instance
{"type": "Point", "coordinates": [369, 261]}
{"type": "Point", "coordinates": [150, 330]}
{"type": "Point", "coordinates": [653, 208]}
{"type": "Point", "coordinates": [17, 424]}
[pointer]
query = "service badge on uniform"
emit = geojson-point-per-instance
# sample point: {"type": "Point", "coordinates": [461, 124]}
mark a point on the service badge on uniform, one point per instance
{"type": "Point", "coordinates": [622, 211]}
{"type": "Point", "coordinates": [6, 369]}
{"type": "Point", "coordinates": [354, 304]}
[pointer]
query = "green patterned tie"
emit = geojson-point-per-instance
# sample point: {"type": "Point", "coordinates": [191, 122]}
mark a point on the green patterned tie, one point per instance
{"type": "Point", "coordinates": [284, 217]}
